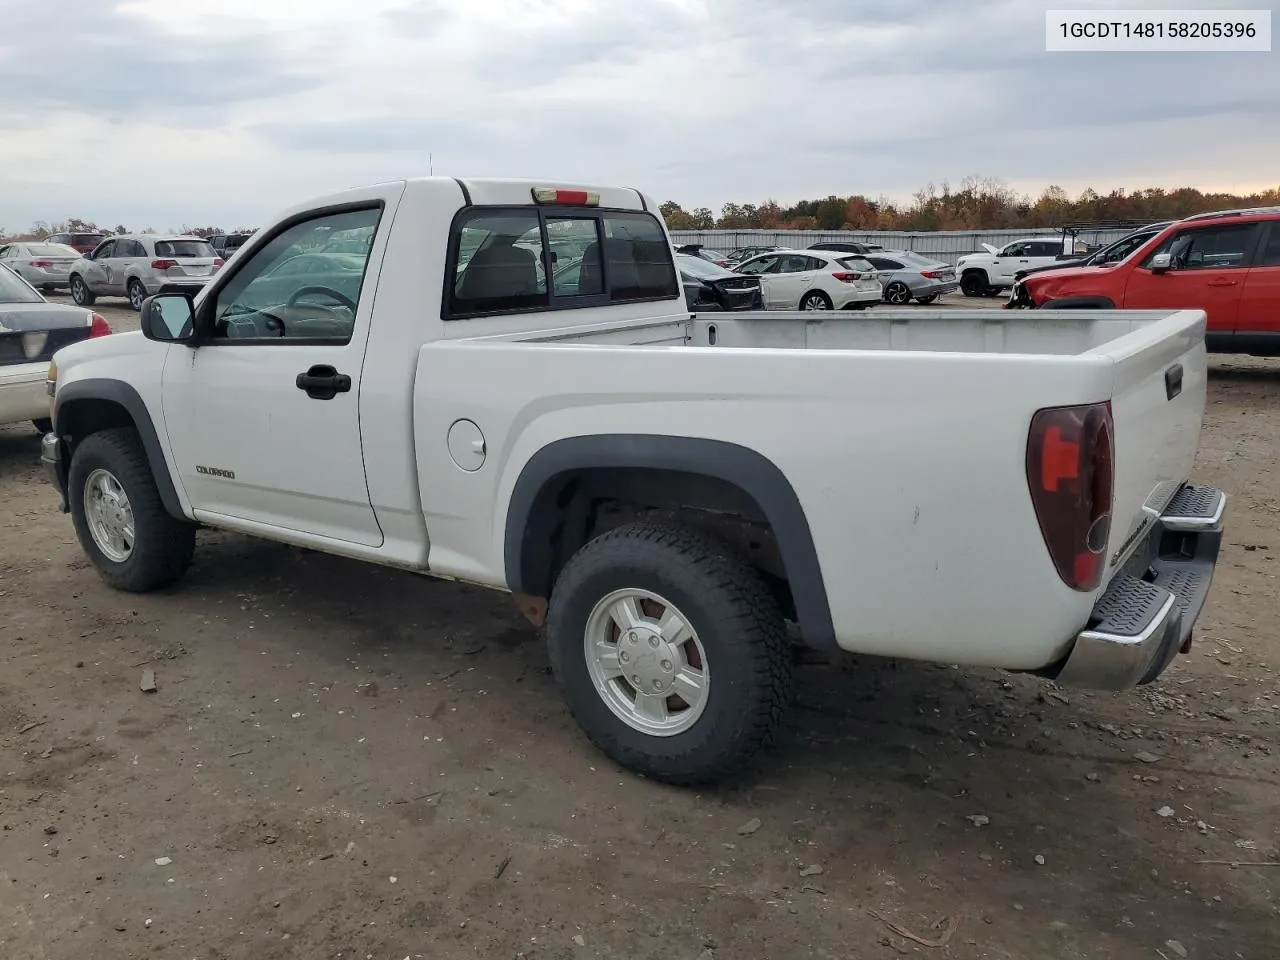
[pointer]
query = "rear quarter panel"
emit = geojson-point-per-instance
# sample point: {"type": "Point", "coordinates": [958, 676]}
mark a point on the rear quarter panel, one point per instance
{"type": "Point", "coordinates": [910, 468]}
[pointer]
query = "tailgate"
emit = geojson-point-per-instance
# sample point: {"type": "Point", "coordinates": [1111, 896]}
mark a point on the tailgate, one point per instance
{"type": "Point", "coordinates": [1160, 377]}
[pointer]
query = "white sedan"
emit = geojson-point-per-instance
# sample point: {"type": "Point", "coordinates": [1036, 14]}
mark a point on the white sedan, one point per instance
{"type": "Point", "coordinates": [814, 280]}
{"type": "Point", "coordinates": [43, 265]}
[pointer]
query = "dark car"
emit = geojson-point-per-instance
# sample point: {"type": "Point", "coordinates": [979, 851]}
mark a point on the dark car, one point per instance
{"type": "Point", "coordinates": [1111, 253]}
{"type": "Point", "coordinates": [225, 244]}
{"type": "Point", "coordinates": [80, 242]}
{"type": "Point", "coordinates": [847, 246]}
{"type": "Point", "coordinates": [31, 330]}
{"type": "Point", "coordinates": [711, 287]}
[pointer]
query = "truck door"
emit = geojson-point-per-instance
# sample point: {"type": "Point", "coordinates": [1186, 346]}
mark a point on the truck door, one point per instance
{"type": "Point", "coordinates": [1208, 271]}
{"type": "Point", "coordinates": [262, 417]}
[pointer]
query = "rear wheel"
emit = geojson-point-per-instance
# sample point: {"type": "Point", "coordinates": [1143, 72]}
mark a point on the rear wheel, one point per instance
{"type": "Point", "coordinates": [671, 652]}
{"type": "Point", "coordinates": [817, 300]}
{"type": "Point", "coordinates": [897, 293]}
{"type": "Point", "coordinates": [80, 292]}
{"type": "Point", "coordinates": [137, 293]}
{"type": "Point", "coordinates": [121, 523]}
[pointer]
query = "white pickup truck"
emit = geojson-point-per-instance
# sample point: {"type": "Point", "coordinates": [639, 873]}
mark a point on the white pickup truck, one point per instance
{"type": "Point", "coordinates": [663, 491]}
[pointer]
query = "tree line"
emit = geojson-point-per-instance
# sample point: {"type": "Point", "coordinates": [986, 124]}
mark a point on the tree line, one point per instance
{"type": "Point", "coordinates": [42, 230]}
{"type": "Point", "coordinates": [977, 204]}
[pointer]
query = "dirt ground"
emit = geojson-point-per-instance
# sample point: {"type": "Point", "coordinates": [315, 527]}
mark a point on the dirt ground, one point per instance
{"type": "Point", "coordinates": [343, 761]}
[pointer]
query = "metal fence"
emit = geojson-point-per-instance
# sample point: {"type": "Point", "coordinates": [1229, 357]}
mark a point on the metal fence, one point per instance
{"type": "Point", "coordinates": [946, 246]}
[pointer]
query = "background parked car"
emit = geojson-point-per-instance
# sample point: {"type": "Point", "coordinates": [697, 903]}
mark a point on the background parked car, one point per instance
{"type": "Point", "coordinates": [709, 287]}
{"type": "Point", "coordinates": [136, 266]}
{"type": "Point", "coordinates": [814, 280]}
{"type": "Point", "coordinates": [906, 276]}
{"type": "Point", "coordinates": [225, 244]}
{"type": "Point", "coordinates": [31, 330]}
{"type": "Point", "coordinates": [1111, 253]}
{"type": "Point", "coordinates": [41, 264]}
{"type": "Point", "coordinates": [740, 254]}
{"type": "Point", "coordinates": [846, 246]}
{"type": "Point", "coordinates": [986, 274]}
{"type": "Point", "coordinates": [698, 250]}
{"type": "Point", "coordinates": [79, 242]}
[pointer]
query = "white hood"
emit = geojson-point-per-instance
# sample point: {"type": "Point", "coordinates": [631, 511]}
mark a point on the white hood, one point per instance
{"type": "Point", "coordinates": [990, 249]}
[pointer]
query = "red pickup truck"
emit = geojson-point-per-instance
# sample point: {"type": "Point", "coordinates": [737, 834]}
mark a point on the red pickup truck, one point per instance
{"type": "Point", "coordinates": [1226, 264]}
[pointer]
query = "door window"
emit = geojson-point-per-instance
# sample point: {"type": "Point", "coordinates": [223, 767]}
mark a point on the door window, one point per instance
{"type": "Point", "coordinates": [129, 248]}
{"type": "Point", "coordinates": [1046, 248]}
{"type": "Point", "coordinates": [103, 250]}
{"type": "Point", "coordinates": [1015, 250]}
{"type": "Point", "coordinates": [1271, 252]}
{"type": "Point", "coordinates": [1209, 248]}
{"type": "Point", "coordinates": [287, 292]}
{"type": "Point", "coordinates": [758, 266]}
{"type": "Point", "coordinates": [795, 264]}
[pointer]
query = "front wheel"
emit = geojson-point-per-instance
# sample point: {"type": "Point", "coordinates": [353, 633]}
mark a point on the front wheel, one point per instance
{"type": "Point", "coordinates": [671, 652]}
{"type": "Point", "coordinates": [80, 292]}
{"type": "Point", "coordinates": [122, 526]}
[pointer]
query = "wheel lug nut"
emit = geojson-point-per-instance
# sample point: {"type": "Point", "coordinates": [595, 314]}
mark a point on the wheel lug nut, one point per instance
{"type": "Point", "coordinates": [653, 642]}
{"type": "Point", "coordinates": [623, 656]}
{"type": "Point", "coordinates": [635, 679]}
{"type": "Point", "coordinates": [632, 636]}
{"type": "Point", "coordinates": [666, 665]}
{"type": "Point", "coordinates": [657, 684]}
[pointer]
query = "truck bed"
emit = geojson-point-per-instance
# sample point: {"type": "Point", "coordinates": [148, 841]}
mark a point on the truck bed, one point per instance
{"type": "Point", "coordinates": [904, 431]}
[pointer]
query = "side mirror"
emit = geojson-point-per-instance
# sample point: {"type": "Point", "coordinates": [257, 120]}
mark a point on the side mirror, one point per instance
{"type": "Point", "coordinates": [1161, 263]}
{"type": "Point", "coordinates": [168, 318]}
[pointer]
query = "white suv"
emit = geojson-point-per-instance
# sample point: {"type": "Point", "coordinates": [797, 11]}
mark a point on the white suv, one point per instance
{"type": "Point", "coordinates": [986, 274]}
{"type": "Point", "coordinates": [137, 265]}
{"type": "Point", "coordinates": [814, 280]}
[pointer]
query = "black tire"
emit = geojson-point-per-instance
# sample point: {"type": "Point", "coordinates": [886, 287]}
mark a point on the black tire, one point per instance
{"type": "Point", "coordinates": [43, 426]}
{"type": "Point", "coordinates": [929, 299]}
{"type": "Point", "coordinates": [136, 293]}
{"type": "Point", "coordinates": [897, 293]}
{"type": "Point", "coordinates": [738, 623]}
{"type": "Point", "coordinates": [973, 283]}
{"type": "Point", "coordinates": [818, 299]}
{"type": "Point", "coordinates": [80, 292]}
{"type": "Point", "coordinates": [162, 545]}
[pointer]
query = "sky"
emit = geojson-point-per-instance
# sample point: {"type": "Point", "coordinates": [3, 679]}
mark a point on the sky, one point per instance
{"type": "Point", "coordinates": [164, 114]}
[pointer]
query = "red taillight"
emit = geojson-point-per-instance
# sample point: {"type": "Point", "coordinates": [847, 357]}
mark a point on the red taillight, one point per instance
{"type": "Point", "coordinates": [848, 277]}
{"type": "Point", "coordinates": [42, 264]}
{"type": "Point", "coordinates": [1071, 472]}
{"type": "Point", "coordinates": [163, 264]}
{"type": "Point", "coordinates": [934, 274]}
{"type": "Point", "coordinates": [98, 325]}
{"type": "Point", "coordinates": [218, 261]}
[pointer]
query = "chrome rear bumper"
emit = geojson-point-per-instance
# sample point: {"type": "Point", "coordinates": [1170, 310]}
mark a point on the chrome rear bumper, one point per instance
{"type": "Point", "coordinates": [1149, 609]}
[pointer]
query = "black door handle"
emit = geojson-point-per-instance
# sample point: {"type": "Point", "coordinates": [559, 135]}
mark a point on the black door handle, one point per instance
{"type": "Point", "coordinates": [323, 382]}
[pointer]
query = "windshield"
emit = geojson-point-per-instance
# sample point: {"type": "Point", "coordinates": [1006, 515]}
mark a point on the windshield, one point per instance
{"type": "Point", "coordinates": [51, 250]}
{"type": "Point", "coordinates": [184, 249]}
{"type": "Point", "coordinates": [856, 263]}
{"type": "Point", "coordinates": [702, 269]}
{"type": "Point", "coordinates": [14, 290]}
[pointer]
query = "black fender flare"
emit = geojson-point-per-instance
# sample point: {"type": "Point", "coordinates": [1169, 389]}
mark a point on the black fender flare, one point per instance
{"type": "Point", "coordinates": [751, 472]}
{"type": "Point", "coordinates": [1079, 303]}
{"type": "Point", "coordinates": [119, 392]}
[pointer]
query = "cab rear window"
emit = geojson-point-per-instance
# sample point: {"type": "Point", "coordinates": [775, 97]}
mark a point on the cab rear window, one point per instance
{"type": "Point", "coordinates": [500, 260]}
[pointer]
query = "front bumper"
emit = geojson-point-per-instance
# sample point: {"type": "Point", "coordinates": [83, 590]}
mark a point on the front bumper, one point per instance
{"type": "Point", "coordinates": [54, 461]}
{"type": "Point", "coordinates": [1146, 615]}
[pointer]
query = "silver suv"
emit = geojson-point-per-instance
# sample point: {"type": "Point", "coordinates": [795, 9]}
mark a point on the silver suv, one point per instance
{"type": "Point", "coordinates": [138, 265]}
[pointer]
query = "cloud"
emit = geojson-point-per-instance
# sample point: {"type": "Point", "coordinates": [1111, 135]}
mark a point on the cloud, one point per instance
{"type": "Point", "coordinates": [220, 118]}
